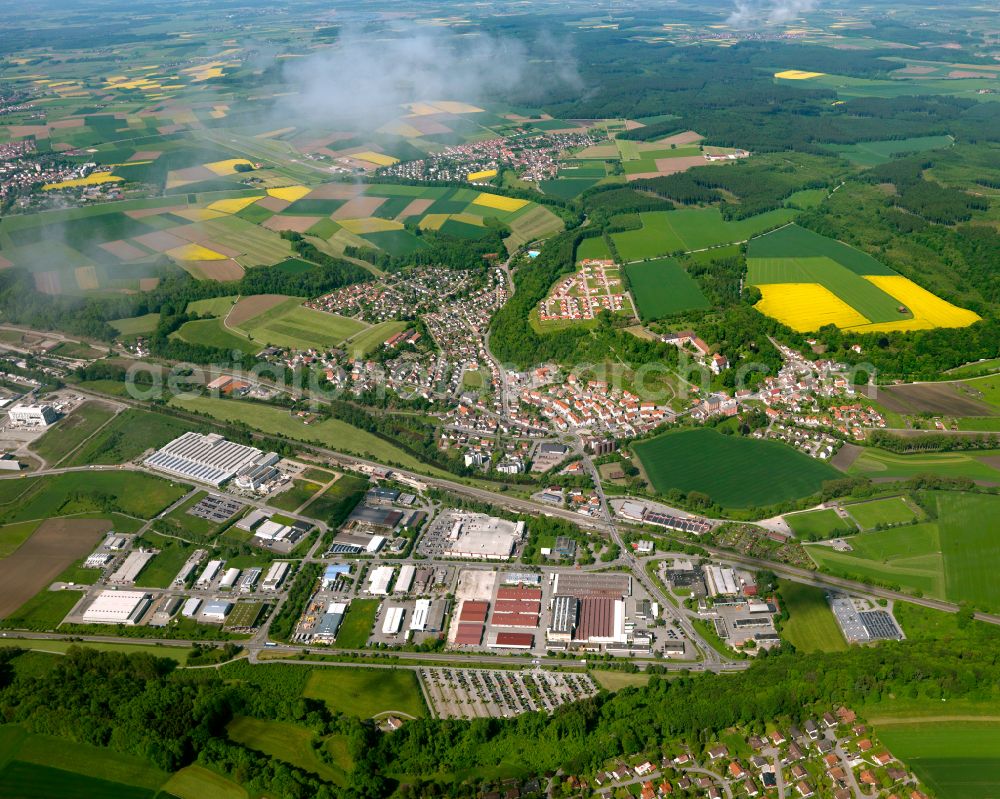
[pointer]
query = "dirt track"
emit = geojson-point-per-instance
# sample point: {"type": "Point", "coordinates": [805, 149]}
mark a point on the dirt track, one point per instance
{"type": "Point", "coordinates": [43, 557]}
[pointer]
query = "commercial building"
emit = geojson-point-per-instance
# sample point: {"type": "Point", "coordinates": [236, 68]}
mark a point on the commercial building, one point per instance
{"type": "Point", "coordinates": [208, 458]}
{"type": "Point", "coordinates": [393, 621]}
{"type": "Point", "coordinates": [602, 621]}
{"type": "Point", "coordinates": [565, 610]}
{"type": "Point", "coordinates": [32, 415]}
{"type": "Point", "coordinates": [479, 537]}
{"type": "Point", "coordinates": [722, 581]}
{"type": "Point", "coordinates": [229, 578]}
{"type": "Point", "coordinates": [216, 610]}
{"type": "Point", "coordinates": [117, 607]}
{"type": "Point", "coordinates": [613, 585]}
{"type": "Point", "coordinates": [333, 573]}
{"type": "Point", "coordinates": [405, 580]}
{"type": "Point", "coordinates": [190, 608]}
{"type": "Point", "coordinates": [131, 566]}
{"type": "Point", "coordinates": [210, 573]}
{"type": "Point", "coordinates": [379, 579]}
{"type": "Point", "coordinates": [328, 624]}
{"type": "Point", "coordinates": [504, 640]}
{"type": "Point", "coordinates": [418, 621]}
{"type": "Point", "coordinates": [275, 575]}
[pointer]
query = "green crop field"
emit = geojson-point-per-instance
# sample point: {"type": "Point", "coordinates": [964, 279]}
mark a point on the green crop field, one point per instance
{"type": "Point", "coordinates": [666, 232]}
{"type": "Point", "coordinates": [811, 626]}
{"type": "Point", "coordinates": [877, 463]}
{"type": "Point", "coordinates": [815, 525]}
{"type": "Point", "coordinates": [889, 511]}
{"type": "Point", "coordinates": [953, 558]}
{"type": "Point", "coordinates": [662, 288]}
{"type": "Point", "coordinates": [287, 742]}
{"type": "Point", "coordinates": [44, 611]}
{"type": "Point", "coordinates": [292, 325]}
{"type": "Point", "coordinates": [136, 325]}
{"type": "Point", "coordinates": [213, 306]}
{"type": "Point", "coordinates": [197, 782]}
{"type": "Point", "coordinates": [863, 295]}
{"type": "Point", "coordinates": [793, 241]}
{"type": "Point", "coordinates": [366, 341]}
{"type": "Point", "coordinates": [593, 248]}
{"type": "Point", "coordinates": [211, 333]}
{"type": "Point", "coordinates": [13, 535]}
{"type": "Point", "coordinates": [366, 692]}
{"type": "Point", "coordinates": [72, 431]}
{"type": "Point", "coordinates": [735, 472]}
{"type": "Point", "coordinates": [132, 493]}
{"type": "Point", "coordinates": [358, 623]}
{"type": "Point", "coordinates": [177, 653]}
{"type": "Point", "coordinates": [872, 153]}
{"type": "Point", "coordinates": [330, 432]}
{"type": "Point", "coordinates": [20, 780]}
{"type": "Point", "coordinates": [955, 759]}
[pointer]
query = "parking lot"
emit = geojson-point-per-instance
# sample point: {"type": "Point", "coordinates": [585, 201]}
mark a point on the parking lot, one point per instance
{"type": "Point", "coordinates": [216, 509]}
{"type": "Point", "coordinates": [478, 693]}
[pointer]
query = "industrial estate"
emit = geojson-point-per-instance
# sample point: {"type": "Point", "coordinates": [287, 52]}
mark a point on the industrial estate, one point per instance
{"type": "Point", "coordinates": [500, 400]}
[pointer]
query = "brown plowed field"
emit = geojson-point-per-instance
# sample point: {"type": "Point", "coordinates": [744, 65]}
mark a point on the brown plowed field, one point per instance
{"type": "Point", "coordinates": [249, 307]}
{"type": "Point", "coordinates": [937, 398]}
{"type": "Point", "coordinates": [43, 557]}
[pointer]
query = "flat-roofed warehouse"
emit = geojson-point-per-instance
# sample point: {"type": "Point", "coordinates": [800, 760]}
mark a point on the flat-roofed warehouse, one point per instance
{"type": "Point", "coordinates": [208, 458]}
{"type": "Point", "coordinates": [480, 537]}
{"type": "Point", "coordinates": [602, 621]}
{"type": "Point", "coordinates": [117, 607]}
{"type": "Point", "coordinates": [612, 585]}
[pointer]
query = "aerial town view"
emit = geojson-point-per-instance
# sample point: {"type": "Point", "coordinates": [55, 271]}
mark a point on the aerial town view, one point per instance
{"type": "Point", "coordinates": [508, 400]}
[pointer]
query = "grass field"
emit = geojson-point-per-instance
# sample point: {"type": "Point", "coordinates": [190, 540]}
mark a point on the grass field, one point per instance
{"type": "Point", "coordinates": [287, 742]}
{"type": "Point", "coordinates": [300, 492]}
{"type": "Point", "coordinates": [955, 759]}
{"type": "Point", "coordinates": [357, 624]}
{"type": "Point", "coordinates": [289, 324]}
{"type": "Point", "coordinates": [815, 525]}
{"type": "Point", "coordinates": [876, 463]}
{"type": "Point", "coordinates": [366, 692]}
{"type": "Point", "coordinates": [667, 232]}
{"type": "Point", "coordinates": [197, 782]}
{"type": "Point", "coordinates": [44, 611]}
{"type": "Point", "coordinates": [211, 333]}
{"type": "Point", "coordinates": [811, 626]}
{"type": "Point", "coordinates": [735, 472]}
{"type": "Point", "coordinates": [13, 535]}
{"type": "Point", "coordinates": [128, 436]}
{"type": "Point", "coordinates": [20, 780]}
{"type": "Point", "coordinates": [616, 680]}
{"type": "Point", "coordinates": [136, 325]}
{"type": "Point", "coordinates": [872, 153]}
{"type": "Point", "coordinates": [161, 570]}
{"type": "Point", "coordinates": [330, 432]}
{"type": "Point", "coordinates": [953, 558]}
{"type": "Point", "coordinates": [178, 653]}
{"type": "Point", "coordinates": [72, 431]}
{"type": "Point", "coordinates": [662, 288]}
{"type": "Point", "coordinates": [888, 511]}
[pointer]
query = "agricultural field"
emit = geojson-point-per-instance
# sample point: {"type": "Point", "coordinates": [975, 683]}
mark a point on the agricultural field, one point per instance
{"type": "Point", "coordinates": [815, 525]}
{"type": "Point", "coordinates": [953, 558]}
{"type": "Point", "coordinates": [668, 232]}
{"type": "Point", "coordinates": [59, 442]}
{"type": "Point", "coordinates": [282, 741]}
{"type": "Point", "coordinates": [872, 153]}
{"type": "Point", "coordinates": [128, 436]}
{"type": "Point", "coordinates": [883, 512]}
{"type": "Point", "coordinates": [367, 692]}
{"type": "Point", "coordinates": [662, 288]}
{"type": "Point", "coordinates": [197, 782]}
{"type": "Point", "coordinates": [811, 626]}
{"type": "Point", "coordinates": [807, 281]}
{"type": "Point", "coordinates": [879, 464]}
{"type": "Point", "coordinates": [735, 472]}
{"type": "Point", "coordinates": [979, 396]}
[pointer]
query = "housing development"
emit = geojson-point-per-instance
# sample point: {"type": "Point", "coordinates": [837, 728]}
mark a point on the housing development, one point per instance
{"type": "Point", "coordinates": [543, 400]}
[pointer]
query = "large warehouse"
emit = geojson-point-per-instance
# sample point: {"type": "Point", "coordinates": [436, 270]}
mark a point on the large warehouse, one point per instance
{"type": "Point", "coordinates": [117, 607]}
{"type": "Point", "coordinates": [208, 458]}
{"type": "Point", "coordinates": [480, 537]}
{"type": "Point", "coordinates": [32, 415]}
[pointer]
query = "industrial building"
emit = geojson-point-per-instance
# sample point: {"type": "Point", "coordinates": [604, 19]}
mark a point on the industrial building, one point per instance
{"type": "Point", "coordinates": [479, 537]}
{"type": "Point", "coordinates": [612, 585]}
{"type": "Point", "coordinates": [393, 621]}
{"type": "Point", "coordinates": [131, 567]}
{"type": "Point", "coordinates": [216, 610]}
{"type": "Point", "coordinates": [562, 625]}
{"type": "Point", "coordinates": [601, 621]}
{"type": "Point", "coordinates": [329, 623]}
{"type": "Point", "coordinates": [117, 607]}
{"type": "Point", "coordinates": [190, 608]}
{"type": "Point", "coordinates": [229, 579]}
{"type": "Point", "coordinates": [504, 640]}
{"type": "Point", "coordinates": [418, 621]}
{"type": "Point", "coordinates": [722, 581]}
{"type": "Point", "coordinates": [379, 579]}
{"type": "Point", "coordinates": [275, 575]}
{"type": "Point", "coordinates": [210, 573]}
{"type": "Point", "coordinates": [208, 458]}
{"type": "Point", "coordinates": [32, 415]}
{"type": "Point", "coordinates": [405, 580]}
{"type": "Point", "coordinates": [333, 573]}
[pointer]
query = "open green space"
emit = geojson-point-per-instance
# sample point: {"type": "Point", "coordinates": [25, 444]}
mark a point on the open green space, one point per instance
{"type": "Point", "coordinates": [811, 626]}
{"type": "Point", "coordinates": [13, 535]}
{"type": "Point", "coordinates": [667, 232]}
{"type": "Point", "coordinates": [197, 782]}
{"type": "Point", "coordinates": [178, 653]}
{"type": "Point", "coordinates": [872, 153]}
{"type": "Point", "coordinates": [955, 759]}
{"type": "Point", "coordinates": [663, 287]}
{"type": "Point", "coordinates": [366, 341]}
{"type": "Point", "coordinates": [876, 463]}
{"type": "Point", "coordinates": [282, 741]}
{"type": "Point", "coordinates": [161, 570]}
{"type": "Point", "coordinates": [594, 248]}
{"type": "Point", "coordinates": [814, 525]}
{"type": "Point", "coordinates": [72, 431]}
{"type": "Point", "coordinates": [130, 434]}
{"type": "Point", "coordinates": [358, 623]}
{"type": "Point", "coordinates": [329, 432]}
{"type": "Point", "coordinates": [793, 241]}
{"type": "Point", "coordinates": [44, 611]}
{"type": "Point", "coordinates": [733, 471]}
{"type": "Point", "coordinates": [290, 324]}
{"type": "Point", "coordinates": [213, 306]}
{"type": "Point", "coordinates": [953, 558]}
{"type": "Point", "coordinates": [616, 680]}
{"type": "Point", "coordinates": [366, 692]}
{"type": "Point", "coordinates": [301, 491]}
{"type": "Point", "coordinates": [882, 512]}
{"type": "Point", "coordinates": [211, 333]}
{"type": "Point", "coordinates": [21, 780]}
{"type": "Point", "coordinates": [136, 325]}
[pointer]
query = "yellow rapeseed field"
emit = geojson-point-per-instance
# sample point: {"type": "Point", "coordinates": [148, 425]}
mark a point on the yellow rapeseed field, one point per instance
{"type": "Point", "coordinates": [928, 309]}
{"type": "Point", "coordinates": [369, 224]}
{"type": "Point", "coordinates": [498, 202]}
{"type": "Point", "coordinates": [234, 205]}
{"type": "Point", "coordinates": [373, 157]}
{"type": "Point", "coordinates": [806, 307]}
{"type": "Point", "coordinates": [290, 193]}
{"type": "Point", "coordinates": [195, 252]}
{"type": "Point", "coordinates": [227, 167]}
{"type": "Point", "coordinates": [483, 175]}
{"type": "Point", "coordinates": [433, 221]}
{"type": "Point", "coordinates": [453, 107]}
{"type": "Point", "coordinates": [798, 74]}
{"type": "Point", "coordinates": [469, 219]}
{"type": "Point", "coordinates": [93, 179]}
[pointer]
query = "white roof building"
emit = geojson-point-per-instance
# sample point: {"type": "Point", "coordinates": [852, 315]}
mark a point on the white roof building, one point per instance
{"type": "Point", "coordinates": [393, 621]}
{"type": "Point", "coordinates": [208, 458]}
{"type": "Point", "coordinates": [210, 573]}
{"type": "Point", "coordinates": [275, 575]}
{"type": "Point", "coordinates": [379, 579]}
{"type": "Point", "coordinates": [191, 607]}
{"type": "Point", "coordinates": [32, 415]}
{"type": "Point", "coordinates": [405, 580]}
{"type": "Point", "coordinates": [418, 621]}
{"type": "Point", "coordinates": [117, 607]}
{"type": "Point", "coordinates": [229, 578]}
{"type": "Point", "coordinates": [131, 566]}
